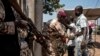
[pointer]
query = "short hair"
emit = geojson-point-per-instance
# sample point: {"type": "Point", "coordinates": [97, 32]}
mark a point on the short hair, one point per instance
{"type": "Point", "coordinates": [80, 8]}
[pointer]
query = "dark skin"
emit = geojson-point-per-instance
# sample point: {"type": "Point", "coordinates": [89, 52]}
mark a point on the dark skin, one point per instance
{"type": "Point", "coordinates": [78, 12]}
{"type": "Point", "coordinates": [63, 19]}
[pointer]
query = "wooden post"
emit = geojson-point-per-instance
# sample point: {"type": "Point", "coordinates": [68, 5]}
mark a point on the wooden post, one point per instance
{"type": "Point", "coordinates": [35, 13]}
{"type": "Point", "coordinates": [38, 24]}
{"type": "Point", "coordinates": [31, 9]}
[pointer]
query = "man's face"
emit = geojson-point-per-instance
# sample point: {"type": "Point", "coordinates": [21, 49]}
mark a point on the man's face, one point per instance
{"type": "Point", "coordinates": [77, 12]}
{"type": "Point", "coordinates": [61, 16]}
{"type": "Point", "coordinates": [61, 19]}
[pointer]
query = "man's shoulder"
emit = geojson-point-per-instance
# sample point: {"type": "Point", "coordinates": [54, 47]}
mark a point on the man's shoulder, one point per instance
{"type": "Point", "coordinates": [53, 21]}
{"type": "Point", "coordinates": [83, 17]}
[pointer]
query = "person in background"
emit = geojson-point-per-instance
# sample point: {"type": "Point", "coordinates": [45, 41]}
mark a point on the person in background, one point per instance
{"type": "Point", "coordinates": [57, 24]}
{"type": "Point", "coordinates": [90, 41]}
{"type": "Point", "coordinates": [71, 43]}
{"type": "Point", "coordinates": [90, 33]}
{"type": "Point", "coordinates": [81, 31]}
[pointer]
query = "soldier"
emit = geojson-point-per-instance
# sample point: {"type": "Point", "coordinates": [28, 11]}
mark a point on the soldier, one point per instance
{"type": "Point", "coordinates": [9, 45]}
{"type": "Point", "coordinates": [58, 25]}
{"type": "Point", "coordinates": [71, 43]}
{"type": "Point", "coordinates": [23, 35]}
{"type": "Point", "coordinates": [8, 32]}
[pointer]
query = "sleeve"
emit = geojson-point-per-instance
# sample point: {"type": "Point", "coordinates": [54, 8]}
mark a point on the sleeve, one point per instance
{"type": "Point", "coordinates": [57, 26]}
{"type": "Point", "coordinates": [10, 27]}
{"type": "Point", "coordinates": [61, 29]}
{"type": "Point", "coordinates": [52, 24]}
{"type": "Point", "coordinates": [7, 28]}
{"type": "Point", "coordinates": [83, 23]}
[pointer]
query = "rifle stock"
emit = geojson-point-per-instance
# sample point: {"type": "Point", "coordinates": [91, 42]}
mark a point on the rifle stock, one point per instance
{"type": "Point", "coordinates": [40, 38]}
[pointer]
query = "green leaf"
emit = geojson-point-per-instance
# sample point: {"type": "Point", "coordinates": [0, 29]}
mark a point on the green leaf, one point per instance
{"type": "Point", "coordinates": [51, 5]}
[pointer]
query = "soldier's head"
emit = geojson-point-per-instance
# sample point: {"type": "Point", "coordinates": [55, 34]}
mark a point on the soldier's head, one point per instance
{"type": "Point", "coordinates": [78, 10]}
{"type": "Point", "coordinates": [61, 16]}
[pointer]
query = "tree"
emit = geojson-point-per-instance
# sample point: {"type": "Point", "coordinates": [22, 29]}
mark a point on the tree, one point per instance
{"type": "Point", "coordinates": [51, 5]}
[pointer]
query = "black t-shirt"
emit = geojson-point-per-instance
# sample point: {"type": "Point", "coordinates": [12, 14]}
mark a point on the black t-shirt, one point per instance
{"type": "Point", "coordinates": [9, 43]}
{"type": "Point", "coordinates": [9, 15]}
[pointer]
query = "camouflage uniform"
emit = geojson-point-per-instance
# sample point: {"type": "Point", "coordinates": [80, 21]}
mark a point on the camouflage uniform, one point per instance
{"type": "Point", "coordinates": [8, 37]}
{"type": "Point", "coordinates": [56, 40]}
{"type": "Point", "coordinates": [22, 29]}
{"type": "Point", "coordinates": [45, 32]}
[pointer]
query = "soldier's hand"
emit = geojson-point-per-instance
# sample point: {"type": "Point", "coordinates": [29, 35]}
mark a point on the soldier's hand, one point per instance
{"type": "Point", "coordinates": [67, 40]}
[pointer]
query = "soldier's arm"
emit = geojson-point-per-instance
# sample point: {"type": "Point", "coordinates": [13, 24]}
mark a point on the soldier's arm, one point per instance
{"type": "Point", "coordinates": [9, 27]}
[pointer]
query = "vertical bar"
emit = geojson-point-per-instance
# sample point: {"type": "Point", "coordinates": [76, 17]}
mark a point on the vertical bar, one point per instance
{"type": "Point", "coordinates": [95, 31]}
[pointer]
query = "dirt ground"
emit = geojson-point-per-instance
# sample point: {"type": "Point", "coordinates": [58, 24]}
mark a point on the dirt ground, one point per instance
{"type": "Point", "coordinates": [97, 45]}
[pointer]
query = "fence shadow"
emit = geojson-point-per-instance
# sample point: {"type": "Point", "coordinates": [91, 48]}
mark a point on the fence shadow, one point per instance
{"type": "Point", "coordinates": [97, 45]}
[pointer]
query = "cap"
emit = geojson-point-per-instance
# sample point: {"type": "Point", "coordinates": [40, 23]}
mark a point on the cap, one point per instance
{"type": "Point", "coordinates": [62, 13]}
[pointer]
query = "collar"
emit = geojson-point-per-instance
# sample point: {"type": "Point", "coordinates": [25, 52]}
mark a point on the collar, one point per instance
{"type": "Point", "coordinates": [79, 16]}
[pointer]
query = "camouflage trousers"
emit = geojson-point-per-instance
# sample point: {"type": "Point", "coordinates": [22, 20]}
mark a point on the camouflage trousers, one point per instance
{"type": "Point", "coordinates": [56, 47]}
{"type": "Point", "coordinates": [25, 51]}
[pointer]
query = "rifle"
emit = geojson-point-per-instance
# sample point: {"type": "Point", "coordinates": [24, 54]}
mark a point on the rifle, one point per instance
{"type": "Point", "coordinates": [40, 38]}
